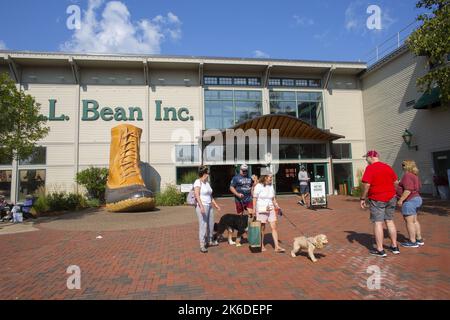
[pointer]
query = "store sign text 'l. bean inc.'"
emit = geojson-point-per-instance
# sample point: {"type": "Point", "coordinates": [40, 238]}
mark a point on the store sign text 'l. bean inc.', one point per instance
{"type": "Point", "coordinates": [91, 111]}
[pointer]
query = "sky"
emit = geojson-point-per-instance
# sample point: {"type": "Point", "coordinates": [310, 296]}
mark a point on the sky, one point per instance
{"type": "Point", "coordinates": [334, 30]}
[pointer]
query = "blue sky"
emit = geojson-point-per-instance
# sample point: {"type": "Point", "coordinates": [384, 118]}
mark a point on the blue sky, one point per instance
{"type": "Point", "coordinates": [317, 30]}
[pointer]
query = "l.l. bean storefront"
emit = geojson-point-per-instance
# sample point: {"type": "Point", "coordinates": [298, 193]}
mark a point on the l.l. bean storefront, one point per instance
{"type": "Point", "coordinates": [315, 105]}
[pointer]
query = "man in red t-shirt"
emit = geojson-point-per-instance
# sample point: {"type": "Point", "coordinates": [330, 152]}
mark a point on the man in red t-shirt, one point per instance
{"type": "Point", "coordinates": [379, 183]}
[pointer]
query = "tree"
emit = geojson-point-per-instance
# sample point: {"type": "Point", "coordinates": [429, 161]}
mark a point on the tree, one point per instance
{"type": "Point", "coordinates": [21, 125]}
{"type": "Point", "coordinates": [432, 39]}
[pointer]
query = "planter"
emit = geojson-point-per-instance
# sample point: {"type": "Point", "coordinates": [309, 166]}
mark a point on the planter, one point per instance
{"type": "Point", "coordinates": [443, 192]}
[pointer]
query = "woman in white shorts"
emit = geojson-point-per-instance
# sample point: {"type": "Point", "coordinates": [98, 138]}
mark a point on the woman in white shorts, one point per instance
{"type": "Point", "coordinates": [265, 204]}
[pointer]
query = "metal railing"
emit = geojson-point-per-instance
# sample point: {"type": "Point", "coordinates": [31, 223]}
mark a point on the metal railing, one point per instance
{"type": "Point", "coordinates": [390, 44]}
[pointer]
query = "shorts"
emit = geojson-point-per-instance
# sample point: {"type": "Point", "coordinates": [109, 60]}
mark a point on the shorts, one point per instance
{"type": "Point", "coordinates": [241, 206]}
{"type": "Point", "coordinates": [381, 211]}
{"type": "Point", "coordinates": [410, 207]}
{"type": "Point", "coordinates": [304, 188]}
{"type": "Point", "coordinates": [263, 217]}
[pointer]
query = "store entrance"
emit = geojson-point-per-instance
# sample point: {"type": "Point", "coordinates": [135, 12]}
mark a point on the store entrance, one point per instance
{"type": "Point", "coordinates": [286, 179]}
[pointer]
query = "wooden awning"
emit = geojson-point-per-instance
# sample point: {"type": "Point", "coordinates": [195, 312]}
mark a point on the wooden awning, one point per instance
{"type": "Point", "coordinates": [289, 126]}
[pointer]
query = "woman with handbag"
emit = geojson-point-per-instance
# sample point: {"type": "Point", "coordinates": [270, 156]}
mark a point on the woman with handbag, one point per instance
{"type": "Point", "coordinates": [266, 209]}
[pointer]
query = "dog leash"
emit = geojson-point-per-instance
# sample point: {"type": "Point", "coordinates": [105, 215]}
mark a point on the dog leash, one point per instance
{"type": "Point", "coordinates": [293, 224]}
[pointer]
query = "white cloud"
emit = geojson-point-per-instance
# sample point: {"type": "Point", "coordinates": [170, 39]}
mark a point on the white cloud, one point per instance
{"type": "Point", "coordinates": [116, 32]}
{"type": "Point", "coordinates": [260, 54]}
{"type": "Point", "coordinates": [303, 21]}
{"type": "Point", "coordinates": [2, 45]}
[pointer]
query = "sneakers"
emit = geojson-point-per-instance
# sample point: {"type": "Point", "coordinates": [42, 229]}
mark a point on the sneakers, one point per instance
{"type": "Point", "coordinates": [394, 250]}
{"type": "Point", "coordinates": [301, 203]}
{"type": "Point", "coordinates": [203, 250]}
{"type": "Point", "coordinates": [377, 253]}
{"type": "Point", "coordinates": [420, 242]}
{"type": "Point", "coordinates": [409, 244]}
{"type": "Point", "coordinates": [213, 243]}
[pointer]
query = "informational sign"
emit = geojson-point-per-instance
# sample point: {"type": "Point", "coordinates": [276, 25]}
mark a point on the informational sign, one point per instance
{"type": "Point", "coordinates": [318, 194]}
{"type": "Point", "coordinates": [186, 187]}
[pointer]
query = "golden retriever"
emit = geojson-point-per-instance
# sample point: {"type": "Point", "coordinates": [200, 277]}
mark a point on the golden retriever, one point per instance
{"type": "Point", "coordinates": [310, 244]}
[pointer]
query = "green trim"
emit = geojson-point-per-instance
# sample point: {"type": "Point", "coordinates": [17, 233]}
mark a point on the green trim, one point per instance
{"type": "Point", "coordinates": [429, 99]}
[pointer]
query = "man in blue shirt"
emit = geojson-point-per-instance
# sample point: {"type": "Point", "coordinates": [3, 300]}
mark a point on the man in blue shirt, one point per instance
{"type": "Point", "coordinates": [241, 186]}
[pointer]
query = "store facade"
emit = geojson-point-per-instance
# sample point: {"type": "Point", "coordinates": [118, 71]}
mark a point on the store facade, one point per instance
{"type": "Point", "coordinates": [316, 106]}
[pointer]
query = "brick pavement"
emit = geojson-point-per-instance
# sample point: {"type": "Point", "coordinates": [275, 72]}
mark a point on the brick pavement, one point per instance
{"type": "Point", "coordinates": [164, 262]}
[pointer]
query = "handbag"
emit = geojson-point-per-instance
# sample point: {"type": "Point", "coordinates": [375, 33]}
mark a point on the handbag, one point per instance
{"type": "Point", "coordinates": [190, 198]}
{"type": "Point", "coordinates": [254, 234]}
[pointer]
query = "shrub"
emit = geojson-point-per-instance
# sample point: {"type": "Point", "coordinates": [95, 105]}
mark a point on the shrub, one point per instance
{"type": "Point", "coordinates": [93, 203]}
{"type": "Point", "coordinates": [357, 191]}
{"type": "Point", "coordinates": [56, 201]}
{"type": "Point", "coordinates": [94, 180]}
{"type": "Point", "coordinates": [189, 177]}
{"type": "Point", "coordinates": [170, 196]}
{"type": "Point", "coordinates": [41, 205]}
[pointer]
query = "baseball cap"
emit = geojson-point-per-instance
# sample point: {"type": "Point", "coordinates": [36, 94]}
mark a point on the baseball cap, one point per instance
{"type": "Point", "coordinates": [244, 167]}
{"type": "Point", "coordinates": [372, 153]}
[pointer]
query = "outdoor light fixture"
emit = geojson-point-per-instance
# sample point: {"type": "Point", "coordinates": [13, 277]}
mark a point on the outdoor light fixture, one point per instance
{"type": "Point", "coordinates": [407, 137]}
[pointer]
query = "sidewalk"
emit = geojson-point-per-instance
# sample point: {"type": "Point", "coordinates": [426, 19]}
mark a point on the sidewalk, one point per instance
{"type": "Point", "coordinates": [155, 256]}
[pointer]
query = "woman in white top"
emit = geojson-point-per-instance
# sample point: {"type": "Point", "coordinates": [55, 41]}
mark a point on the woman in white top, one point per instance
{"type": "Point", "coordinates": [266, 207]}
{"type": "Point", "coordinates": [204, 210]}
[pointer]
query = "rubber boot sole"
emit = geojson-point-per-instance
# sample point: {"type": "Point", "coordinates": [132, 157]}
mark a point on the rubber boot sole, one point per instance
{"type": "Point", "coordinates": [131, 205]}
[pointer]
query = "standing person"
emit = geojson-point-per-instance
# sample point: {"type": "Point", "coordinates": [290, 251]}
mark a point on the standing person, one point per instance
{"type": "Point", "coordinates": [241, 187]}
{"type": "Point", "coordinates": [410, 201]}
{"type": "Point", "coordinates": [303, 179]}
{"type": "Point", "coordinates": [379, 182]}
{"type": "Point", "coordinates": [204, 210]}
{"type": "Point", "coordinates": [265, 204]}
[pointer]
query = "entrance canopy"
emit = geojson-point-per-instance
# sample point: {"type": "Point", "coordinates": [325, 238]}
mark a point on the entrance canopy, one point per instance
{"type": "Point", "coordinates": [288, 126]}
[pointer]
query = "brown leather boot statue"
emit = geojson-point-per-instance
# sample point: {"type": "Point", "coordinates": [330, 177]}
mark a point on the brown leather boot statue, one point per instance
{"type": "Point", "coordinates": [125, 189]}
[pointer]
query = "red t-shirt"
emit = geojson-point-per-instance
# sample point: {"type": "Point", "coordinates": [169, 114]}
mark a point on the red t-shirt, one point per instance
{"type": "Point", "coordinates": [409, 182]}
{"type": "Point", "coordinates": [381, 178]}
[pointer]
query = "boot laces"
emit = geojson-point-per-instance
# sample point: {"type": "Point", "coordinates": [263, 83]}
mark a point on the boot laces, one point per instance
{"type": "Point", "coordinates": [128, 154]}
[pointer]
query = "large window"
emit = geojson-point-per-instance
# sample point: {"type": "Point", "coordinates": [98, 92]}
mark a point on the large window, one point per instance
{"type": "Point", "coordinates": [30, 181]}
{"type": "Point", "coordinates": [38, 157]}
{"type": "Point", "coordinates": [341, 151]}
{"type": "Point", "coordinates": [306, 106]}
{"type": "Point", "coordinates": [230, 81]}
{"type": "Point", "coordinates": [302, 151]}
{"type": "Point", "coordinates": [187, 153]}
{"type": "Point", "coordinates": [186, 175]}
{"type": "Point", "coordinates": [5, 183]}
{"type": "Point", "coordinates": [225, 108]}
{"type": "Point", "coordinates": [289, 82]}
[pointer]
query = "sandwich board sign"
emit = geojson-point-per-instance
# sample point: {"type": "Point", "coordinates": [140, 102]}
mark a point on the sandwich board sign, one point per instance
{"type": "Point", "coordinates": [318, 194]}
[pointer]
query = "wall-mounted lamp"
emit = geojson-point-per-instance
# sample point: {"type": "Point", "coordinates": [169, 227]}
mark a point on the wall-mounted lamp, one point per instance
{"type": "Point", "coordinates": [407, 137]}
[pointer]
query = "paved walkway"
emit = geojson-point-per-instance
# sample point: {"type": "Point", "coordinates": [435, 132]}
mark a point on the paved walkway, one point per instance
{"type": "Point", "coordinates": [155, 256]}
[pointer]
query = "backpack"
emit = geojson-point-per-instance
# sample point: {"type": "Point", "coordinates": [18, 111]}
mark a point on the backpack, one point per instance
{"type": "Point", "coordinates": [190, 198]}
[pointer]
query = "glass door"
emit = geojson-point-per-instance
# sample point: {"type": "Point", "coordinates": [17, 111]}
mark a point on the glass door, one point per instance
{"type": "Point", "coordinates": [320, 174]}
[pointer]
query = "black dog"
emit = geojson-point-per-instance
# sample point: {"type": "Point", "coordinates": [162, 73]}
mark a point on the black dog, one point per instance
{"type": "Point", "coordinates": [231, 222]}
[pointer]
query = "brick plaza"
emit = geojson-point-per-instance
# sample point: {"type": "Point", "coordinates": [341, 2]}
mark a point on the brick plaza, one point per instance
{"type": "Point", "coordinates": [156, 256]}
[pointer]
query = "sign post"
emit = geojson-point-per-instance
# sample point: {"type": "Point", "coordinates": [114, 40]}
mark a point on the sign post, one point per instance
{"type": "Point", "coordinates": [318, 195]}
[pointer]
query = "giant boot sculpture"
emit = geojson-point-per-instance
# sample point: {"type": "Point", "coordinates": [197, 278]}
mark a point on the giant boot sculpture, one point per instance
{"type": "Point", "coordinates": [125, 190]}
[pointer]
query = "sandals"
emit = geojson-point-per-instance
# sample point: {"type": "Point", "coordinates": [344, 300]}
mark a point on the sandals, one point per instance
{"type": "Point", "coordinates": [280, 250]}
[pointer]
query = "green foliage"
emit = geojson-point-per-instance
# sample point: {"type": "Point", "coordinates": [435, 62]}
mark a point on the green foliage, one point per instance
{"type": "Point", "coordinates": [41, 205]}
{"type": "Point", "coordinates": [432, 39]}
{"type": "Point", "coordinates": [189, 177]}
{"type": "Point", "coordinates": [357, 191]}
{"type": "Point", "coordinates": [61, 201]}
{"type": "Point", "coordinates": [94, 180]}
{"type": "Point", "coordinates": [23, 125]}
{"type": "Point", "coordinates": [93, 203]}
{"type": "Point", "coordinates": [170, 196]}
